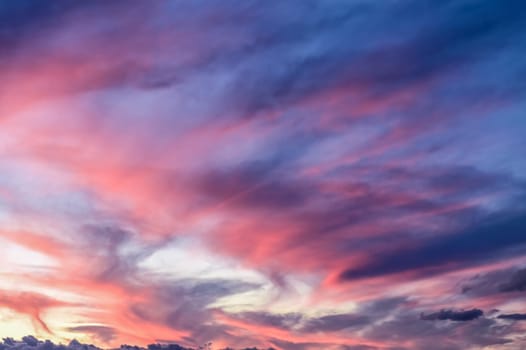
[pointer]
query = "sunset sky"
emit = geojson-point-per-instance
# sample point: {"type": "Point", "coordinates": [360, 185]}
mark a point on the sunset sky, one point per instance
{"type": "Point", "coordinates": [302, 175]}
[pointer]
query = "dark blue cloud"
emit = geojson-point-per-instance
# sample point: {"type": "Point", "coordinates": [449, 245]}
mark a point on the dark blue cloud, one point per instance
{"type": "Point", "coordinates": [381, 59]}
{"type": "Point", "coordinates": [482, 242]}
{"type": "Point", "coordinates": [513, 317]}
{"type": "Point", "coordinates": [458, 335]}
{"type": "Point", "coordinates": [453, 315]}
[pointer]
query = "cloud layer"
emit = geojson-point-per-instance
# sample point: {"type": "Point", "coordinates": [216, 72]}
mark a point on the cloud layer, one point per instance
{"type": "Point", "coordinates": [295, 175]}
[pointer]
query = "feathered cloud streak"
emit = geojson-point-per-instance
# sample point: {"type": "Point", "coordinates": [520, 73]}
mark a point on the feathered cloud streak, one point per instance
{"type": "Point", "coordinates": [295, 175]}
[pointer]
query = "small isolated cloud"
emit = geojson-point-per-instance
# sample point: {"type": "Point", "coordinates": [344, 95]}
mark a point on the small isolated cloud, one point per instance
{"type": "Point", "coordinates": [452, 315]}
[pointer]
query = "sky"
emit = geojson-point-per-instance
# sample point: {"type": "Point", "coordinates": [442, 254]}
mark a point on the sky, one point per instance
{"type": "Point", "coordinates": [337, 175]}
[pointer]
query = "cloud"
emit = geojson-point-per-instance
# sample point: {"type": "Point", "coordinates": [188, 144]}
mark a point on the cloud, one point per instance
{"type": "Point", "coordinates": [311, 46]}
{"type": "Point", "coordinates": [452, 315]}
{"type": "Point", "coordinates": [516, 283]}
{"type": "Point", "coordinates": [303, 324]}
{"type": "Point", "coordinates": [380, 65]}
{"type": "Point", "coordinates": [454, 250]}
{"type": "Point", "coordinates": [23, 16]}
{"type": "Point", "coordinates": [494, 282]}
{"type": "Point", "coordinates": [251, 186]}
{"type": "Point", "coordinates": [456, 335]}
{"type": "Point", "coordinates": [110, 255]}
{"type": "Point", "coordinates": [333, 323]}
{"type": "Point", "coordinates": [366, 314]}
{"type": "Point", "coordinates": [301, 143]}
{"type": "Point", "coordinates": [185, 305]}
{"type": "Point", "coordinates": [30, 304]}
{"type": "Point", "coordinates": [514, 317]}
{"type": "Point", "coordinates": [282, 321]}
{"type": "Point", "coordinates": [31, 343]}
{"type": "Point", "coordinates": [103, 334]}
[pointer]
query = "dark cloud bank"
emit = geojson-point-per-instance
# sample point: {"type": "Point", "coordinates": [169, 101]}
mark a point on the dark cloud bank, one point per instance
{"type": "Point", "coordinates": [31, 343]}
